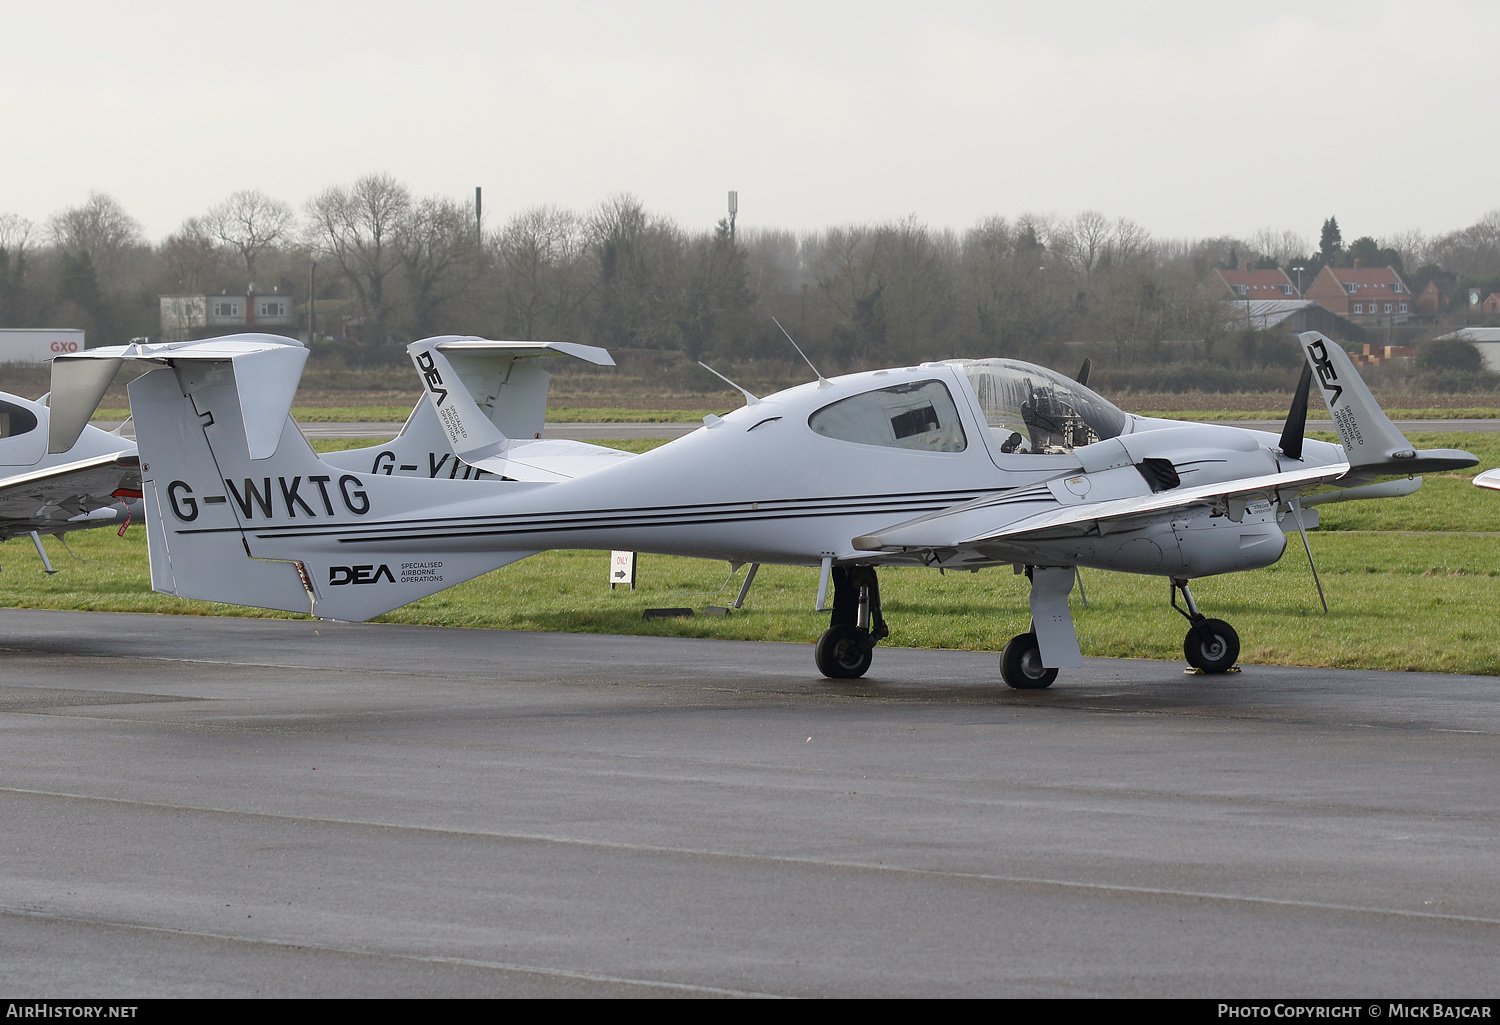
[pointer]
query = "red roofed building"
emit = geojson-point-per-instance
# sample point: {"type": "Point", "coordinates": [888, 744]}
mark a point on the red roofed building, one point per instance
{"type": "Point", "coordinates": [1365, 295]}
{"type": "Point", "coordinates": [1258, 284]}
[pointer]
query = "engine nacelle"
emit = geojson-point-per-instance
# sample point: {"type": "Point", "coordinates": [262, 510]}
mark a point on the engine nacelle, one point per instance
{"type": "Point", "coordinates": [1190, 544]}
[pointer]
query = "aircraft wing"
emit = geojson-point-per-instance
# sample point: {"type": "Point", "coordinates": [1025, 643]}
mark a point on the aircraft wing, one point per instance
{"type": "Point", "coordinates": [1035, 513]}
{"type": "Point", "coordinates": [56, 498]}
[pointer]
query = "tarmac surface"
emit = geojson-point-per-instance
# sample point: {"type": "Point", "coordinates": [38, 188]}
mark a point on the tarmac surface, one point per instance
{"type": "Point", "coordinates": [242, 807]}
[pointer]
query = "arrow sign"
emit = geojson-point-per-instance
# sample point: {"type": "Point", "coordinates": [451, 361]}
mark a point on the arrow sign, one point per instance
{"type": "Point", "coordinates": [621, 569]}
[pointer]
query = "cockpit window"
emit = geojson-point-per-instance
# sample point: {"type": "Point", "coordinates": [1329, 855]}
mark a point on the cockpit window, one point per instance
{"type": "Point", "coordinates": [1030, 409]}
{"type": "Point", "coordinates": [15, 420]}
{"type": "Point", "coordinates": [920, 415]}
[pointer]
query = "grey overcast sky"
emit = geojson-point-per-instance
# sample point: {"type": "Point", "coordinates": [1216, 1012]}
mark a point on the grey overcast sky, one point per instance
{"type": "Point", "coordinates": [1193, 118]}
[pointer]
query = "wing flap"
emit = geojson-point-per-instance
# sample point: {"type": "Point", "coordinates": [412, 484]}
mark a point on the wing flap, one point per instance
{"type": "Point", "coordinates": [975, 523]}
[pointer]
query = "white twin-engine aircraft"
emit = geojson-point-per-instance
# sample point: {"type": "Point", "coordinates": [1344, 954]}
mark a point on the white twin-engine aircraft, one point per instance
{"type": "Point", "coordinates": [960, 464]}
{"type": "Point", "coordinates": [92, 482]}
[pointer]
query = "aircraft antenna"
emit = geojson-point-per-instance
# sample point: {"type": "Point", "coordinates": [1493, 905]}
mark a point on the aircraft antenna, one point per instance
{"type": "Point", "coordinates": [822, 381]}
{"type": "Point", "coordinates": [750, 399]}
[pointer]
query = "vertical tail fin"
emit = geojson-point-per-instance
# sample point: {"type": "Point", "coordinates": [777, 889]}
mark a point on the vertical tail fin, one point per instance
{"type": "Point", "coordinates": [241, 510]}
{"type": "Point", "coordinates": [1372, 442]}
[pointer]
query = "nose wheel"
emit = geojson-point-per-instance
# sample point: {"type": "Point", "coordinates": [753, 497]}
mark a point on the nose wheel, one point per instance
{"type": "Point", "coordinates": [1211, 645]}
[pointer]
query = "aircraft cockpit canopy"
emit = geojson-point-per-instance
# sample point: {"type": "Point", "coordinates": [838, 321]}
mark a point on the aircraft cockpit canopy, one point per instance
{"type": "Point", "coordinates": [1030, 409]}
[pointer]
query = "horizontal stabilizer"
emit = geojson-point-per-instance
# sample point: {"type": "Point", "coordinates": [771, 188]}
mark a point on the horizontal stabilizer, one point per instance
{"type": "Point", "coordinates": [267, 369]}
{"type": "Point", "coordinates": [490, 400]}
{"type": "Point", "coordinates": [1385, 489]}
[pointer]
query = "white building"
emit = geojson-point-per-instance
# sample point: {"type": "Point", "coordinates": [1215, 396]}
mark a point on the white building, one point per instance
{"type": "Point", "coordinates": [185, 317]}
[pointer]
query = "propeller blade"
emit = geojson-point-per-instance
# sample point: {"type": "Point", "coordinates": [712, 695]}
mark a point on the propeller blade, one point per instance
{"type": "Point", "coordinates": [1296, 419]}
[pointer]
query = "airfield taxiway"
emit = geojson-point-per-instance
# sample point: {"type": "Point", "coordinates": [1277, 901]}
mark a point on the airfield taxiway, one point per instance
{"type": "Point", "coordinates": [246, 807]}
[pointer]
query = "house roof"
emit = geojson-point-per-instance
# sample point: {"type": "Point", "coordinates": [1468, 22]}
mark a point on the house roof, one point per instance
{"type": "Point", "coordinates": [1369, 282]}
{"type": "Point", "coordinates": [1259, 284]}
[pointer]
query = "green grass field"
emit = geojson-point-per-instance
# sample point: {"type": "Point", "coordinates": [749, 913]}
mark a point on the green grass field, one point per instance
{"type": "Point", "coordinates": [1412, 585]}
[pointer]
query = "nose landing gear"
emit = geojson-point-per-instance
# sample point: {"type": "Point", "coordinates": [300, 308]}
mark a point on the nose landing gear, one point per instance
{"type": "Point", "coordinates": [1211, 645]}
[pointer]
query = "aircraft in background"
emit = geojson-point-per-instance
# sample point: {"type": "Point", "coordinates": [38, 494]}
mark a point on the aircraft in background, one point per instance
{"type": "Point", "coordinates": [94, 482]}
{"type": "Point", "coordinates": [959, 464]}
{"type": "Point", "coordinates": [1488, 479]}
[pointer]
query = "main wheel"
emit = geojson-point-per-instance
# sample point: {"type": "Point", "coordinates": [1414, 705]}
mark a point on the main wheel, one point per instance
{"type": "Point", "coordinates": [1021, 664]}
{"type": "Point", "coordinates": [843, 653]}
{"type": "Point", "coordinates": [1211, 646]}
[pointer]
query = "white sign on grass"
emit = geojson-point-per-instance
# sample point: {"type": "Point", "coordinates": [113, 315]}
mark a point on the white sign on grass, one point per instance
{"type": "Point", "coordinates": [621, 569]}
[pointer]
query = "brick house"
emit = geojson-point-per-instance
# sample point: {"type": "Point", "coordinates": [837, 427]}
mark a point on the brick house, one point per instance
{"type": "Point", "coordinates": [1373, 296]}
{"type": "Point", "coordinates": [1258, 284]}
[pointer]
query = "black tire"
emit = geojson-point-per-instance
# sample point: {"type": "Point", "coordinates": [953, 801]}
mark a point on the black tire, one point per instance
{"type": "Point", "coordinates": [1021, 664]}
{"type": "Point", "coordinates": [843, 652]}
{"type": "Point", "coordinates": [1211, 646]}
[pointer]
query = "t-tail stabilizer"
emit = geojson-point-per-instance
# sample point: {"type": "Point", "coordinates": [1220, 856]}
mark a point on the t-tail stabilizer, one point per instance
{"type": "Point", "coordinates": [490, 400]}
{"type": "Point", "coordinates": [1375, 446]}
{"type": "Point", "coordinates": [236, 517]}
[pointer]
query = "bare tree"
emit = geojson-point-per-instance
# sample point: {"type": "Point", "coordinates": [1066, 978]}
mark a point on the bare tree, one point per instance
{"type": "Point", "coordinates": [1279, 245]}
{"type": "Point", "coordinates": [1473, 251]}
{"type": "Point", "coordinates": [1412, 245]}
{"type": "Point", "coordinates": [540, 253]}
{"type": "Point", "coordinates": [15, 233]}
{"type": "Point", "coordinates": [714, 289]}
{"type": "Point", "coordinates": [1083, 242]}
{"type": "Point", "coordinates": [193, 258]}
{"type": "Point", "coordinates": [1010, 286]}
{"type": "Point", "coordinates": [639, 261]}
{"type": "Point", "coordinates": [101, 228]}
{"type": "Point", "coordinates": [356, 227]}
{"type": "Point", "coordinates": [250, 222]}
{"type": "Point", "coordinates": [440, 259]}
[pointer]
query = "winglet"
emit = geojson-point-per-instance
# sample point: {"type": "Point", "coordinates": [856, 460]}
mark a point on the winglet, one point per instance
{"type": "Point", "coordinates": [1372, 442]}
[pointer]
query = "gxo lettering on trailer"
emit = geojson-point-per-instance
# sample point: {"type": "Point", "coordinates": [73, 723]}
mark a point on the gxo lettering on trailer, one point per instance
{"type": "Point", "coordinates": [311, 496]}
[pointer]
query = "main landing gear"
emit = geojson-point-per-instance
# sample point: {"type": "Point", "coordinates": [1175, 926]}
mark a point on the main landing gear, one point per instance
{"type": "Point", "coordinates": [1211, 645]}
{"type": "Point", "coordinates": [845, 650]}
{"type": "Point", "coordinates": [1021, 664]}
{"type": "Point", "coordinates": [1031, 660]}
